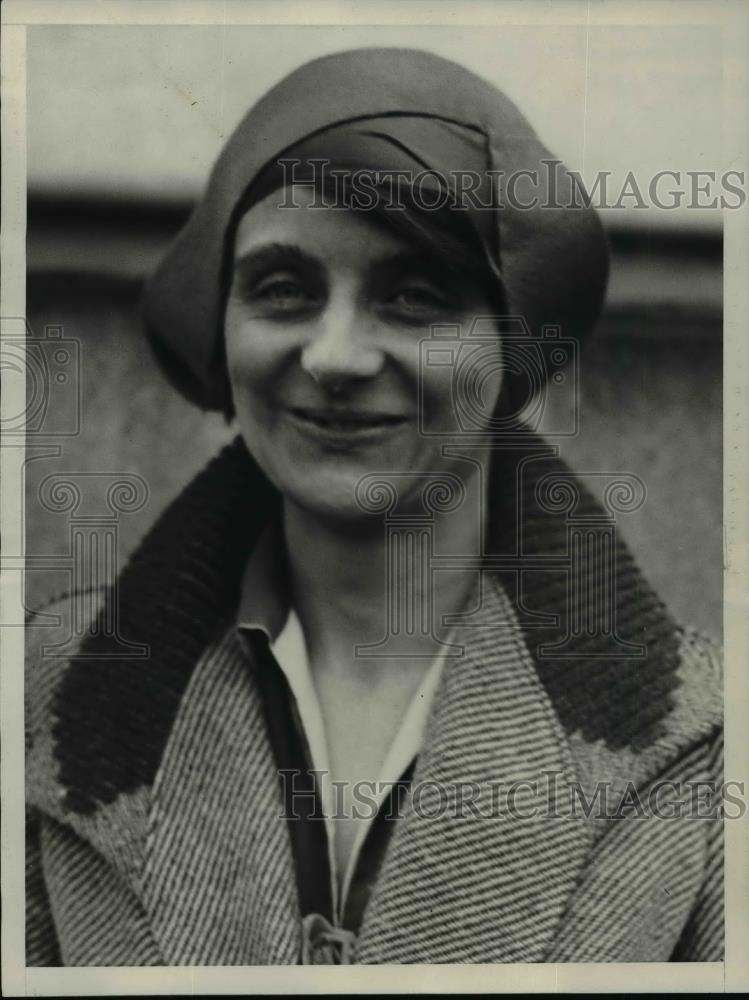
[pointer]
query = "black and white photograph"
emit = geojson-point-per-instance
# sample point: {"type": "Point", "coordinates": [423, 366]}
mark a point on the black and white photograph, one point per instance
{"type": "Point", "coordinates": [375, 519]}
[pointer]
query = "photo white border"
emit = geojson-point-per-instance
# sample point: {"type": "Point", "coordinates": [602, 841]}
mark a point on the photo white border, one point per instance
{"type": "Point", "coordinates": [731, 976]}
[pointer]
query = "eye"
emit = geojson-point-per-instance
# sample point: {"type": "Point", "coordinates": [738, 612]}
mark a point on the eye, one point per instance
{"type": "Point", "coordinates": [282, 293]}
{"type": "Point", "coordinates": [417, 301]}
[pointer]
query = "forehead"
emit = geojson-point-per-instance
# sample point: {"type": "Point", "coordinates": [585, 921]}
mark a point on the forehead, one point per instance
{"type": "Point", "coordinates": [338, 236]}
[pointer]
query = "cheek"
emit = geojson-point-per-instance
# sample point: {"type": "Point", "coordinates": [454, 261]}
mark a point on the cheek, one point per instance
{"type": "Point", "coordinates": [251, 354]}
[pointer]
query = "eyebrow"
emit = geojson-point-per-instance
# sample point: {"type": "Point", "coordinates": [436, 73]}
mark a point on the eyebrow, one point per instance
{"type": "Point", "coordinates": [256, 263]}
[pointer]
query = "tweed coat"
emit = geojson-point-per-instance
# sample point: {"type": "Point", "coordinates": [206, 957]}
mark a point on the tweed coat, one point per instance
{"type": "Point", "coordinates": [155, 834]}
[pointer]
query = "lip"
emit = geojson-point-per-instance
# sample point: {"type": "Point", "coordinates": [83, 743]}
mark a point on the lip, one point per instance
{"type": "Point", "coordinates": [346, 426]}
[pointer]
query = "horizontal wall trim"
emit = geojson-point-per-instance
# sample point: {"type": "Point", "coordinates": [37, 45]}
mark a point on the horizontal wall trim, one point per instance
{"type": "Point", "coordinates": [170, 214]}
{"type": "Point", "coordinates": [658, 276]}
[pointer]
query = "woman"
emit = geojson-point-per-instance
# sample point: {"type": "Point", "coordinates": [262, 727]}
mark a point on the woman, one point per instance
{"type": "Point", "coordinates": [384, 711]}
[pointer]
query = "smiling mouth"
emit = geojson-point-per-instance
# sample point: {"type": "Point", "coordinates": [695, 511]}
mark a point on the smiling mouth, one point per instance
{"type": "Point", "coordinates": [347, 423]}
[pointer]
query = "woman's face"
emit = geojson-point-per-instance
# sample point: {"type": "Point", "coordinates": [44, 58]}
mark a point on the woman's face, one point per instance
{"type": "Point", "coordinates": [324, 321]}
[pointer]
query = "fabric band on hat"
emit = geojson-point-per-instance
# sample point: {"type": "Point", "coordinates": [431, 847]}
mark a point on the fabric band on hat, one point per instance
{"type": "Point", "coordinates": [404, 153]}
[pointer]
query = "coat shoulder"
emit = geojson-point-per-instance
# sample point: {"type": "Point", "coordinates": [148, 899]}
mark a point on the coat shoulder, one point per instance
{"type": "Point", "coordinates": [689, 729]}
{"type": "Point", "coordinates": [698, 702]}
{"type": "Point", "coordinates": [53, 636]}
{"type": "Point", "coordinates": [65, 703]}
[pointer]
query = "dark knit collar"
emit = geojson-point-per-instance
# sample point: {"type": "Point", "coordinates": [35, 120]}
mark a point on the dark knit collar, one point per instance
{"type": "Point", "coordinates": [181, 588]}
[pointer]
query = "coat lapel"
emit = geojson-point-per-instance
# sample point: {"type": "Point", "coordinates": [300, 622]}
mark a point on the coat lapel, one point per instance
{"type": "Point", "coordinates": [219, 882]}
{"type": "Point", "coordinates": [489, 887]}
{"type": "Point", "coordinates": [219, 879]}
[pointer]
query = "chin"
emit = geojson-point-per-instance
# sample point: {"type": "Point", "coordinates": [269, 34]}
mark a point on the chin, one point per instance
{"type": "Point", "coordinates": [329, 496]}
{"type": "Point", "coordinates": [333, 508]}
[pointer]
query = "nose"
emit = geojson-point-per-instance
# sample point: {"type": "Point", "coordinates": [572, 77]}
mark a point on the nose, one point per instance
{"type": "Point", "coordinates": [340, 350]}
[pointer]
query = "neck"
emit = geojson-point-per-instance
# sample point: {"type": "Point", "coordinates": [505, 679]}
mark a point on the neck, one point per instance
{"type": "Point", "coordinates": [344, 576]}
